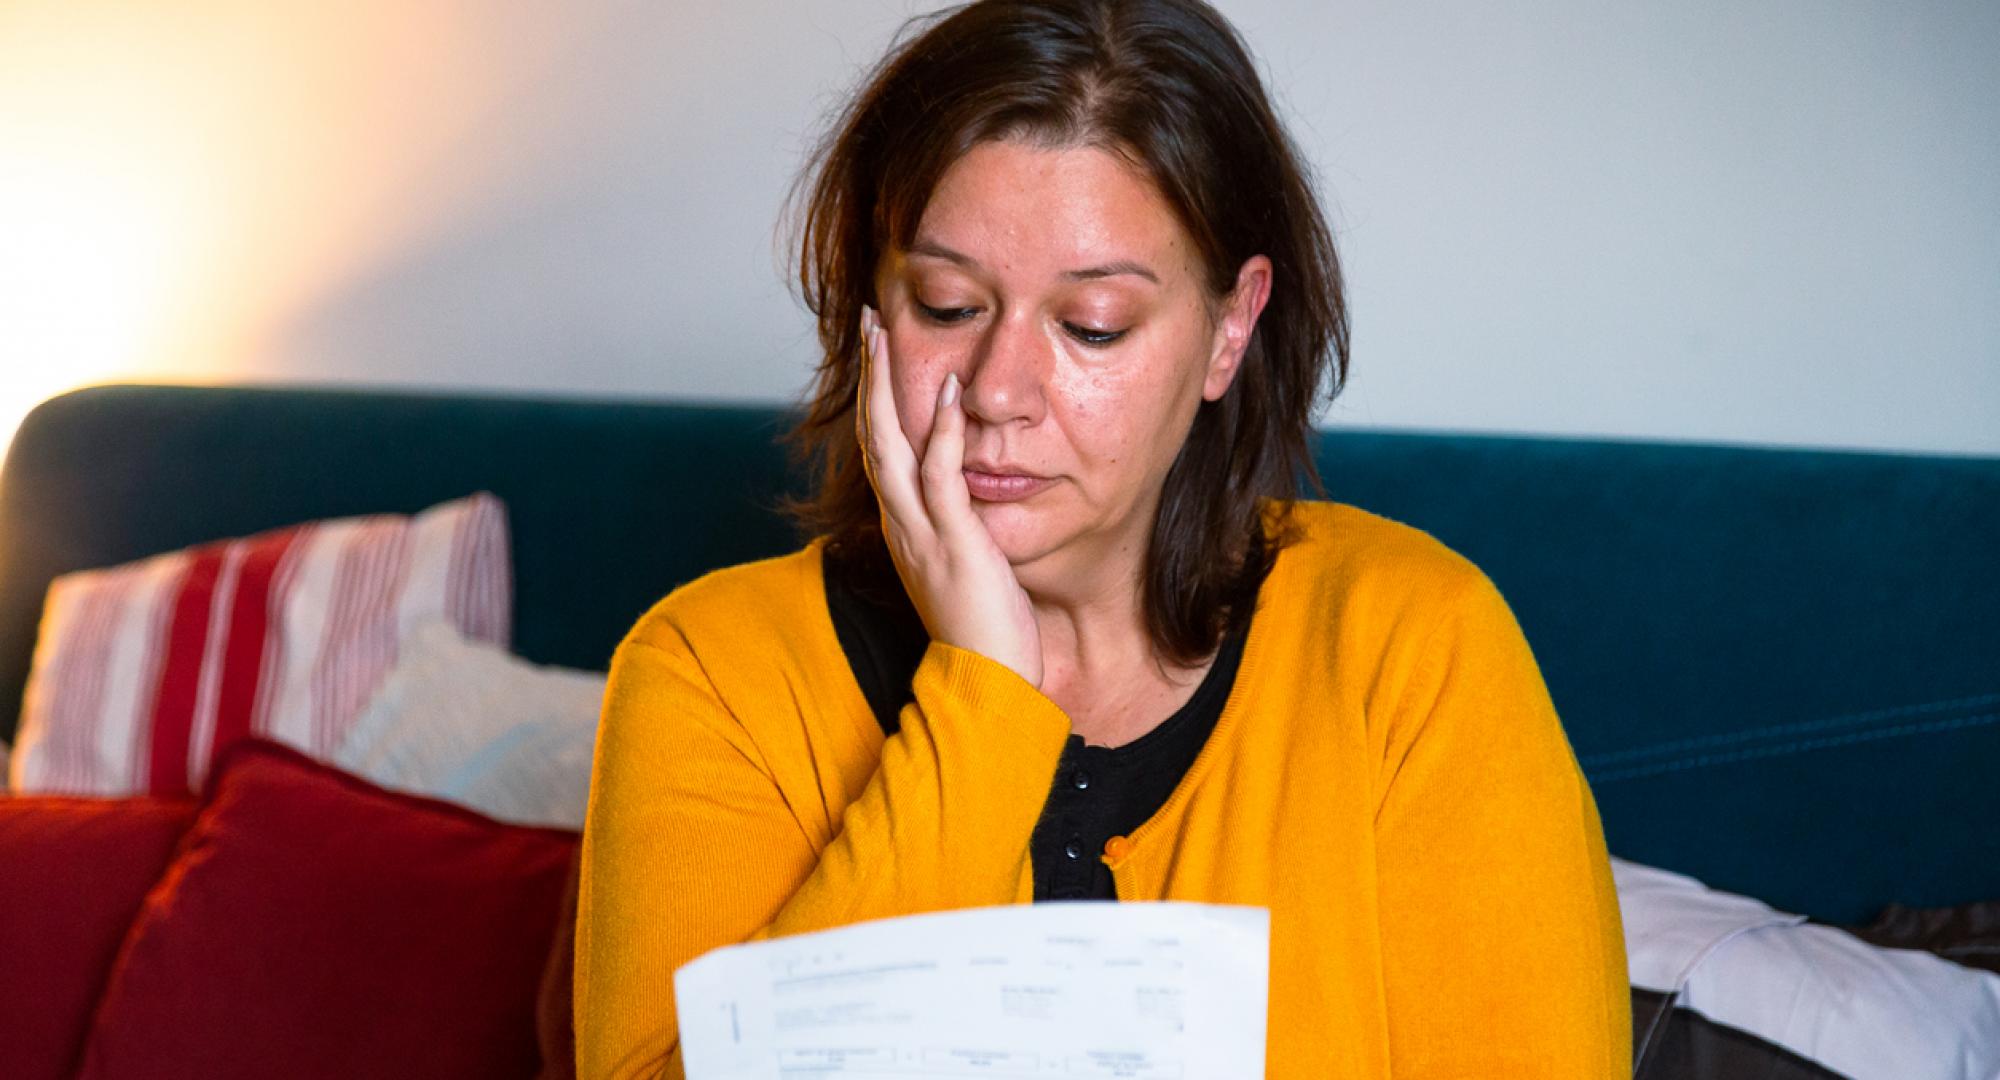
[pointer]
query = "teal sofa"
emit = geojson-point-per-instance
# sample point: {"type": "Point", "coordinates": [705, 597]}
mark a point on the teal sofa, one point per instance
{"type": "Point", "coordinates": [1780, 669]}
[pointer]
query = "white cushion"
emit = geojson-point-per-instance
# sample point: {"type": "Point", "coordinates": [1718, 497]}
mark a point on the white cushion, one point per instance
{"type": "Point", "coordinates": [1818, 991]}
{"type": "Point", "coordinates": [469, 722]}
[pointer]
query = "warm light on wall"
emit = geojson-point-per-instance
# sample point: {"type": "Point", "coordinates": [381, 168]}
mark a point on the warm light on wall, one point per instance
{"type": "Point", "coordinates": [93, 208]}
{"type": "Point", "coordinates": [178, 181]}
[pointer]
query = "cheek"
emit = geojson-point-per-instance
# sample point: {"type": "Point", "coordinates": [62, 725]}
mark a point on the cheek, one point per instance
{"type": "Point", "coordinates": [1098, 405]}
{"type": "Point", "coordinates": [1127, 420]}
{"type": "Point", "coordinates": [1119, 420]}
{"type": "Point", "coordinates": [917, 373]}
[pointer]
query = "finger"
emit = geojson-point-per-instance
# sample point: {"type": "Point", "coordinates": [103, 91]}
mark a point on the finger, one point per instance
{"type": "Point", "coordinates": [885, 427]}
{"type": "Point", "coordinates": [895, 462]}
{"type": "Point", "coordinates": [943, 471]}
{"type": "Point", "coordinates": [861, 398]}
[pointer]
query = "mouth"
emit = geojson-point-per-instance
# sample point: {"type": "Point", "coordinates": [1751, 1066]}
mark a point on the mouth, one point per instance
{"type": "Point", "coordinates": [1003, 486]}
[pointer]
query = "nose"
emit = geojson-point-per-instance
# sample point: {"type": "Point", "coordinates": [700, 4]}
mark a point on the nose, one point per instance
{"type": "Point", "coordinates": [1010, 366]}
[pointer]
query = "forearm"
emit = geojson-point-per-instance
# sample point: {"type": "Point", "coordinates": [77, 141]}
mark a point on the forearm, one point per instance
{"type": "Point", "coordinates": [693, 843]}
{"type": "Point", "coordinates": [945, 821]}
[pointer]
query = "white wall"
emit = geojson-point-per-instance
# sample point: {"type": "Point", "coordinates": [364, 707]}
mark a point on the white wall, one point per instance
{"type": "Point", "coordinates": [1772, 221]}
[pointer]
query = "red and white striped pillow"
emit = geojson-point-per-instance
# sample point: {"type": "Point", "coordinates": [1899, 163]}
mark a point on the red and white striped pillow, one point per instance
{"type": "Point", "coordinates": [144, 672]}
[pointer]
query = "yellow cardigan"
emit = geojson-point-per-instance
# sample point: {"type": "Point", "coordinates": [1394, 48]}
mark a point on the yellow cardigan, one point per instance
{"type": "Point", "coordinates": [1388, 777]}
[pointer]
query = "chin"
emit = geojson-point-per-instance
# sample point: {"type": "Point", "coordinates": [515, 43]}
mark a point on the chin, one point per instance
{"type": "Point", "coordinates": [1022, 533]}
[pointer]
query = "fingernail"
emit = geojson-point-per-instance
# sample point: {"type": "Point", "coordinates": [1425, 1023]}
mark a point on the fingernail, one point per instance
{"type": "Point", "coordinates": [949, 394]}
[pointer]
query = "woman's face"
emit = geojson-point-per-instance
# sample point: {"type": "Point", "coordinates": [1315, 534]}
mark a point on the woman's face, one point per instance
{"type": "Point", "coordinates": [1061, 288]}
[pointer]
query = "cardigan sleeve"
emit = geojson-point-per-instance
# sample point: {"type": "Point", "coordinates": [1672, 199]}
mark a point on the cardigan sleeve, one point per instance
{"type": "Point", "coordinates": [690, 842]}
{"type": "Point", "coordinates": [1503, 950]}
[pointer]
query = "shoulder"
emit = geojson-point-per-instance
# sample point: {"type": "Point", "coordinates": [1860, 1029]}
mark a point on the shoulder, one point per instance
{"type": "Point", "coordinates": [746, 650]}
{"type": "Point", "coordinates": [1422, 636]}
{"type": "Point", "coordinates": [754, 604]}
{"type": "Point", "coordinates": [1380, 593]}
{"type": "Point", "coordinates": [1335, 552]}
{"type": "Point", "coordinates": [1391, 599]}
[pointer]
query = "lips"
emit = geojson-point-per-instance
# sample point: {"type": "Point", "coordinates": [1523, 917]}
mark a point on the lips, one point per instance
{"type": "Point", "coordinates": [1002, 484]}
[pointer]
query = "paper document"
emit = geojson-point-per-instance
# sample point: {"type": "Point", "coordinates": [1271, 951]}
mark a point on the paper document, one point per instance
{"type": "Point", "coordinates": [1079, 989]}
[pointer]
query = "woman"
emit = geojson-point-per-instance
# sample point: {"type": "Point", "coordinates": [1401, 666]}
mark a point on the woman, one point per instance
{"type": "Point", "coordinates": [1065, 629]}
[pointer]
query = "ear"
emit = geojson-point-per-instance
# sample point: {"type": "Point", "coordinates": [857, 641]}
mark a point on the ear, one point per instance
{"type": "Point", "coordinates": [1232, 332]}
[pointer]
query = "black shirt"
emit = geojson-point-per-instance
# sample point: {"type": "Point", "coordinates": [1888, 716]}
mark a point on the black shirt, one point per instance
{"type": "Point", "coordinates": [1099, 792]}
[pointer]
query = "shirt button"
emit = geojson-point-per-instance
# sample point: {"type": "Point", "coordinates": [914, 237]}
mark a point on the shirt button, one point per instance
{"type": "Point", "coordinates": [1080, 780]}
{"type": "Point", "coordinates": [1074, 849]}
{"type": "Point", "coordinates": [1117, 848]}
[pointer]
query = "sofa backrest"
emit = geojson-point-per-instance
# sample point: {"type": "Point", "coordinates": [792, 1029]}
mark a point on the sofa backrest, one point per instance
{"type": "Point", "coordinates": [1780, 669]}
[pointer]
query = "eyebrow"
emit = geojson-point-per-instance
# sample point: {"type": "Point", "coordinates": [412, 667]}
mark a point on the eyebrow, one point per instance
{"type": "Point", "coordinates": [1111, 269]}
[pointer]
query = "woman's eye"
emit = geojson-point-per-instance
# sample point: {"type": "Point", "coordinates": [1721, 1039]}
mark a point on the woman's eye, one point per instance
{"type": "Point", "coordinates": [945, 315]}
{"type": "Point", "coordinates": [1093, 337]}
{"type": "Point", "coordinates": [1085, 334]}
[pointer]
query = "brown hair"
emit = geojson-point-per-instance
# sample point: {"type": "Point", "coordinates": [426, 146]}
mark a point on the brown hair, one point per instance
{"type": "Point", "coordinates": [1169, 86]}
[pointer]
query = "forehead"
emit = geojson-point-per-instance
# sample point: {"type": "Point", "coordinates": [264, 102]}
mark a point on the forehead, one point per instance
{"type": "Point", "coordinates": [1014, 207]}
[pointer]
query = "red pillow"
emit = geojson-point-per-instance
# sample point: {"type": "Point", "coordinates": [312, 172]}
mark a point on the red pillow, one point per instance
{"type": "Point", "coordinates": [72, 875]}
{"type": "Point", "coordinates": [317, 925]}
{"type": "Point", "coordinates": [554, 1021]}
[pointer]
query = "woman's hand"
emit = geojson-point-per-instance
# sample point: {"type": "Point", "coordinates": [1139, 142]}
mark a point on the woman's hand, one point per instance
{"type": "Point", "coordinates": [960, 582]}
